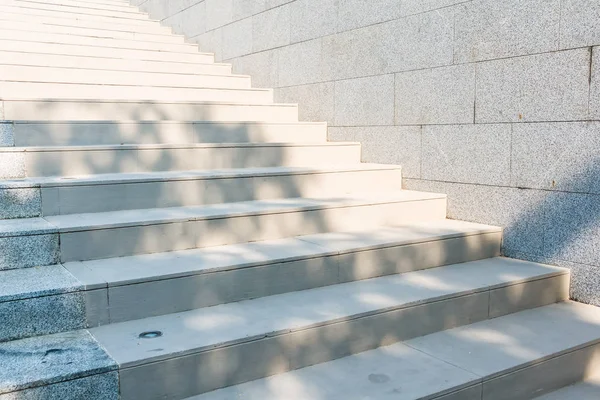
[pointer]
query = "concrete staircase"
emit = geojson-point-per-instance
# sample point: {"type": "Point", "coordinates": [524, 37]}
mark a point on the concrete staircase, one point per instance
{"type": "Point", "coordinates": [168, 232]}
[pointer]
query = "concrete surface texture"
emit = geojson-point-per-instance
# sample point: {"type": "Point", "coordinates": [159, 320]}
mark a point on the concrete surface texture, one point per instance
{"type": "Point", "coordinates": [496, 104]}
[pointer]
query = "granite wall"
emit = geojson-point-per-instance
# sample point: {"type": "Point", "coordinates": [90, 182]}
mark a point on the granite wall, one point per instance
{"type": "Point", "coordinates": [496, 103]}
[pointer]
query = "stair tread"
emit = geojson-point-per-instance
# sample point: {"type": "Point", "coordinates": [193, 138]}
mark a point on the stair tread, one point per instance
{"type": "Point", "coordinates": [26, 283]}
{"type": "Point", "coordinates": [588, 390]}
{"type": "Point", "coordinates": [227, 324]}
{"type": "Point", "coordinates": [140, 177]}
{"type": "Point", "coordinates": [151, 267]}
{"type": "Point", "coordinates": [422, 367]}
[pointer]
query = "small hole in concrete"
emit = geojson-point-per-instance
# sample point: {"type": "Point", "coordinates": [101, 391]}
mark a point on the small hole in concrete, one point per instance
{"type": "Point", "coordinates": [150, 335]}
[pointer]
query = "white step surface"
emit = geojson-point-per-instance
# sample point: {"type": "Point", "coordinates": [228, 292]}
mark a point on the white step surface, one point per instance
{"type": "Point", "coordinates": [73, 133]}
{"type": "Point", "coordinates": [17, 58]}
{"type": "Point", "coordinates": [511, 357]}
{"type": "Point", "coordinates": [69, 91]}
{"type": "Point", "coordinates": [88, 6]}
{"type": "Point", "coordinates": [115, 110]}
{"type": "Point", "coordinates": [213, 347]}
{"type": "Point", "coordinates": [23, 73]}
{"type": "Point", "coordinates": [50, 10]}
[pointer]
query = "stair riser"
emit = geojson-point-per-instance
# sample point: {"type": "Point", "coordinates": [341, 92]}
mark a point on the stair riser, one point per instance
{"type": "Point", "coordinates": [18, 28]}
{"type": "Point", "coordinates": [140, 111]}
{"type": "Point", "coordinates": [88, 6]}
{"type": "Point", "coordinates": [103, 52]}
{"type": "Point", "coordinates": [63, 20]}
{"type": "Point", "coordinates": [132, 19]}
{"type": "Point", "coordinates": [87, 134]}
{"type": "Point", "coordinates": [545, 377]}
{"type": "Point", "coordinates": [71, 162]}
{"type": "Point", "coordinates": [25, 90]}
{"type": "Point", "coordinates": [205, 371]}
{"type": "Point", "coordinates": [98, 42]}
{"type": "Point", "coordinates": [16, 73]}
{"type": "Point", "coordinates": [110, 64]}
{"type": "Point", "coordinates": [146, 299]}
{"type": "Point", "coordinates": [172, 193]}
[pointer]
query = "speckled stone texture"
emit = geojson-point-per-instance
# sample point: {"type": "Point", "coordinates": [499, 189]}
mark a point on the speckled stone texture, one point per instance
{"type": "Point", "coordinates": [20, 203]}
{"type": "Point", "coordinates": [58, 361]}
{"type": "Point", "coordinates": [96, 387]}
{"type": "Point", "coordinates": [28, 251]}
{"type": "Point", "coordinates": [12, 165]}
{"type": "Point", "coordinates": [7, 134]}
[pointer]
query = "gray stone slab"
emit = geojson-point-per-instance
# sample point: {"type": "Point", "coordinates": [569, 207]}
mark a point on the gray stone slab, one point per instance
{"type": "Point", "coordinates": [393, 370]}
{"type": "Point", "coordinates": [41, 316]}
{"type": "Point", "coordinates": [487, 29]}
{"type": "Point", "coordinates": [237, 39]}
{"type": "Point", "coordinates": [311, 19]}
{"type": "Point", "coordinates": [354, 14]}
{"type": "Point", "coordinates": [544, 377]}
{"type": "Point", "coordinates": [51, 359]}
{"type": "Point", "coordinates": [595, 84]}
{"type": "Point", "coordinates": [7, 134]}
{"type": "Point", "coordinates": [26, 283]}
{"type": "Point", "coordinates": [365, 101]}
{"type": "Point", "coordinates": [247, 8]}
{"type": "Point", "coordinates": [300, 63]}
{"type": "Point", "coordinates": [262, 67]}
{"type": "Point", "coordinates": [387, 144]}
{"type": "Point", "coordinates": [12, 165]}
{"type": "Point", "coordinates": [28, 251]}
{"type": "Point", "coordinates": [467, 154]}
{"type": "Point", "coordinates": [572, 230]}
{"type": "Point", "coordinates": [96, 307]}
{"type": "Point", "coordinates": [582, 391]}
{"type": "Point", "coordinates": [271, 29]}
{"type": "Point", "coordinates": [579, 24]}
{"type": "Point", "coordinates": [522, 213]}
{"type": "Point", "coordinates": [436, 96]}
{"type": "Point", "coordinates": [218, 13]}
{"type": "Point", "coordinates": [409, 7]}
{"type": "Point", "coordinates": [545, 87]}
{"type": "Point", "coordinates": [503, 345]}
{"type": "Point", "coordinates": [316, 102]}
{"type": "Point", "coordinates": [557, 156]}
{"type": "Point", "coordinates": [585, 280]}
{"type": "Point", "coordinates": [99, 387]}
{"type": "Point", "coordinates": [202, 329]}
{"type": "Point", "coordinates": [20, 203]}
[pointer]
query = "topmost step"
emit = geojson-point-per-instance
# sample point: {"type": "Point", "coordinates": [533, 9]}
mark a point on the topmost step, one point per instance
{"type": "Point", "coordinates": [109, 6]}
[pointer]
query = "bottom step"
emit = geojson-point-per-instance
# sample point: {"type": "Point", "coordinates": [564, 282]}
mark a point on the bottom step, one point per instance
{"type": "Point", "coordinates": [515, 357]}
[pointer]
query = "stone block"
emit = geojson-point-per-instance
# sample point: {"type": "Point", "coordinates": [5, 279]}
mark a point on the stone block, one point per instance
{"type": "Point", "coordinates": [7, 134]}
{"type": "Point", "coordinates": [300, 63]}
{"type": "Point", "coordinates": [271, 29]}
{"type": "Point", "coordinates": [20, 203]}
{"type": "Point", "coordinates": [237, 39]}
{"type": "Point", "coordinates": [28, 251]}
{"type": "Point", "coordinates": [262, 67]}
{"type": "Point", "coordinates": [595, 84]}
{"type": "Point", "coordinates": [399, 145]}
{"type": "Point", "coordinates": [467, 154]}
{"type": "Point", "coordinates": [312, 19]}
{"type": "Point", "coordinates": [365, 101]}
{"type": "Point", "coordinates": [359, 13]}
{"type": "Point", "coordinates": [579, 23]}
{"type": "Point", "coordinates": [436, 96]}
{"type": "Point", "coordinates": [190, 22]}
{"type": "Point", "coordinates": [489, 29]}
{"type": "Point", "coordinates": [316, 102]}
{"type": "Point", "coordinates": [211, 42]}
{"type": "Point", "coordinates": [409, 7]}
{"type": "Point", "coordinates": [585, 281]}
{"type": "Point", "coordinates": [544, 87]}
{"type": "Point", "coordinates": [218, 13]}
{"type": "Point", "coordinates": [12, 165]}
{"type": "Point", "coordinates": [246, 8]}
{"type": "Point", "coordinates": [557, 156]}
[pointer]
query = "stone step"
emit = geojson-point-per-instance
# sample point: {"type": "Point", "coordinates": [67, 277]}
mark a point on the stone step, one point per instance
{"type": "Point", "coordinates": [587, 390]}
{"type": "Point", "coordinates": [514, 357]}
{"type": "Point", "coordinates": [17, 27]}
{"type": "Point", "coordinates": [6, 33]}
{"type": "Point", "coordinates": [69, 21]}
{"type": "Point", "coordinates": [96, 64]}
{"type": "Point", "coordinates": [80, 237]}
{"type": "Point", "coordinates": [71, 161]}
{"type": "Point", "coordinates": [23, 46]}
{"type": "Point", "coordinates": [207, 349]}
{"type": "Point", "coordinates": [115, 110]}
{"type": "Point", "coordinates": [115, 192]}
{"type": "Point", "coordinates": [74, 91]}
{"type": "Point", "coordinates": [71, 76]}
{"type": "Point", "coordinates": [52, 299]}
{"type": "Point", "coordinates": [89, 6]}
{"type": "Point", "coordinates": [83, 14]}
{"type": "Point", "coordinates": [72, 133]}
